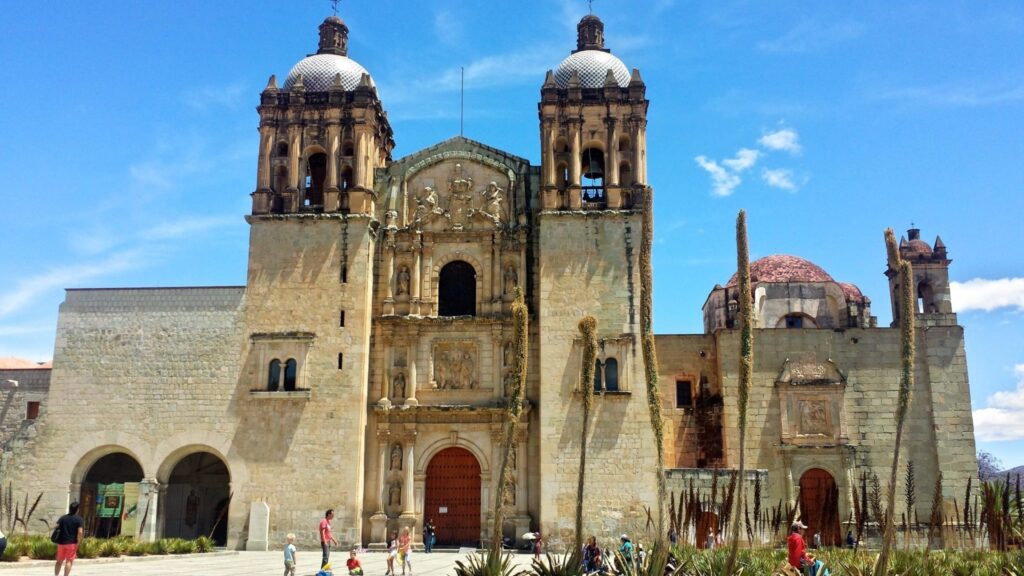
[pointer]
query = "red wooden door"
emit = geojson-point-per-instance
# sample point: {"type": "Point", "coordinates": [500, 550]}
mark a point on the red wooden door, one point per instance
{"type": "Point", "coordinates": [453, 497]}
{"type": "Point", "coordinates": [819, 505]}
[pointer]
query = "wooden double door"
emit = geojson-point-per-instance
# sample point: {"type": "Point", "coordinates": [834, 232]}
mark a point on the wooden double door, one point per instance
{"type": "Point", "coordinates": [452, 498]}
{"type": "Point", "coordinates": [819, 505]}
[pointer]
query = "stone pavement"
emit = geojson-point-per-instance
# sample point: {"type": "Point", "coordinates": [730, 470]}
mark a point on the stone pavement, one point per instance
{"type": "Point", "coordinates": [240, 564]}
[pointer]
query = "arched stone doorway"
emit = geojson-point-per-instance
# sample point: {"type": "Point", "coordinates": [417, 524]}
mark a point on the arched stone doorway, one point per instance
{"type": "Point", "coordinates": [819, 504]}
{"type": "Point", "coordinates": [452, 497]}
{"type": "Point", "coordinates": [108, 500]}
{"type": "Point", "coordinates": [197, 497]}
{"type": "Point", "coordinates": [457, 289]}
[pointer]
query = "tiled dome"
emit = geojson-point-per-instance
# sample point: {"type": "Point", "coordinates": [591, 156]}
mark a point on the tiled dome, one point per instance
{"type": "Point", "coordinates": [784, 268]}
{"type": "Point", "coordinates": [593, 67]}
{"type": "Point", "coordinates": [319, 70]}
{"type": "Point", "coordinates": [919, 246]}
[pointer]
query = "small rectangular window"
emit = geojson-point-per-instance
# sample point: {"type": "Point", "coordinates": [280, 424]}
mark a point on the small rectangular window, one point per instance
{"type": "Point", "coordinates": [341, 320]}
{"type": "Point", "coordinates": [344, 274]}
{"type": "Point", "coordinates": [684, 394]}
{"type": "Point", "coordinates": [341, 363]}
{"type": "Point", "coordinates": [794, 322]}
{"type": "Point", "coordinates": [33, 411]}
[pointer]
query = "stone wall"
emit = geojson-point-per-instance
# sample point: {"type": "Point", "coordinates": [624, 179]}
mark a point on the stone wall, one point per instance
{"type": "Point", "coordinates": [147, 372]}
{"type": "Point", "coordinates": [589, 264]}
{"type": "Point", "coordinates": [15, 425]}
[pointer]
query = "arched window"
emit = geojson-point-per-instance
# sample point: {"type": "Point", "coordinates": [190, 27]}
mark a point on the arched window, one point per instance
{"type": "Point", "coordinates": [796, 320]}
{"type": "Point", "coordinates": [611, 375]}
{"type": "Point", "coordinates": [346, 178]}
{"type": "Point", "coordinates": [290, 372]}
{"type": "Point", "coordinates": [282, 149]}
{"type": "Point", "coordinates": [623, 143]}
{"type": "Point", "coordinates": [562, 175]}
{"type": "Point", "coordinates": [625, 174]}
{"type": "Point", "coordinates": [457, 290]}
{"type": "Point", "coordinates": [593, 182]}
{"type": "Point", "coordinates": [597, 375]}
{"type": "Point", "coordinates": [274, 375]}
{"type": "Point", "coordinates": [925, 303]}
{"type": "Point", "coordinates": [317, 173]}
{"type": "Point", "coordinates": [347, 149]}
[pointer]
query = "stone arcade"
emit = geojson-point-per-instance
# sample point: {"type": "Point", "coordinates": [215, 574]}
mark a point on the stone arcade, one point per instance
{"type": "Point", "coordinates": [364, 364]}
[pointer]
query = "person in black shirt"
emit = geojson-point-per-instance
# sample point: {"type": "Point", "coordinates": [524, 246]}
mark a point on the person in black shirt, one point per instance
{"type": "Point", "coordinates": [69, 533]}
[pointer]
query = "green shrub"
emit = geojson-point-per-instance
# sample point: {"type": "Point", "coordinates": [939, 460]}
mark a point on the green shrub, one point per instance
{"type": "Point", "coordinates": [160, 547]}
{"type": "Point", "coordinates": [137, 548]}
{"type": "Point", "coordinates": [42, 549]}
{"type": "Point", "coordinates": [89, 548]}
{"type": "Point", "coordinates": [17, 546]}
{"type": "Point", "coordinates": [204, 544]}
{"type": "Point", "coordinates": [180, 546]}
{"type": "Point", "coordinates": [111, 548]}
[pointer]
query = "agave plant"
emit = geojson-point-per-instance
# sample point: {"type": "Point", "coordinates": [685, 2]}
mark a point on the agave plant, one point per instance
{"type": "Point", "coordinates": [558, 565]}
{"type": "Point", "coordinates": [487, 564]}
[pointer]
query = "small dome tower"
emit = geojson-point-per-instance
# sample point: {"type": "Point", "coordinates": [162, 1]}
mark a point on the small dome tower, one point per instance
{"type": "Point", "coordinates": [322, 135]}
{"type": "Point", "coordinates": [931, 279]}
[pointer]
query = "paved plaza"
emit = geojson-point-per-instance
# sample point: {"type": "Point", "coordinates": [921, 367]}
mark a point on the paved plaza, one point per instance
{"type": "Point", "coordinates": [239, 564]}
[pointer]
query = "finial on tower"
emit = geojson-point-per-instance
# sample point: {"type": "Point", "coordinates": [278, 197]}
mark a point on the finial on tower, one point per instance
{"type": "Point", "coordinates": [334, 6]}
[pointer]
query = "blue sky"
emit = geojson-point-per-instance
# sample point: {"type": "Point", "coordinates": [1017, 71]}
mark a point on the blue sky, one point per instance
{"type": "Point", "coordinates": [129, 140]}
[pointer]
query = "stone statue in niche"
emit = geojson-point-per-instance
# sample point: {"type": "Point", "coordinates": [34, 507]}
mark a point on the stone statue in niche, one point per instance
{"type": "Point", "coordinates": [395, 494]}
{"type": "Point", "coordinates": [511, 280]}
{"type": "Point", "coordinates": [402, 287]}
{"type": "Point", "coordinates": [455, 366]}
{"type": "Point", "coordinates": [493, 198]}
{"type": "Point", "coordinates": [398, 386]}
{"type": "Point", "coordinates": [507, 353]}
{"type": "Point", "coordinates": [460, 199]}
{"type": "Point", "coordinates": [814, 417]}
{"type": "Point", "coordinates": [396, 457]}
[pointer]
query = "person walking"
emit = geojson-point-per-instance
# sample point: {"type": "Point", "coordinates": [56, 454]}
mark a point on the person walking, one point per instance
{"type": "Point", "coordinates": [405, 551]}
{"type": "Point", "coordinates": [392, 554]}
{"type": "Point", "coordinates": [69, 533]}
{"type": "Point", "coordinates": [428, 536]}
{"type": "Point", "coordinates": [289, 556]}
{"type": "Point", "coordinates": [538, 545]}
{"type": "Point", "coordinates": [626, 551]}
{"type": "Point", "coordinates": [326, 537]}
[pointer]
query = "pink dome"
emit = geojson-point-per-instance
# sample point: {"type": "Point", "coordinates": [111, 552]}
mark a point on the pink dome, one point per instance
{"type": "Point", "coordinates": [780, 268]}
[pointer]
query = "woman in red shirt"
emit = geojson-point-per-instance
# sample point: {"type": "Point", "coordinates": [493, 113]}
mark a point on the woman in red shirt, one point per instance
{"type": "Point", "coordinates": [798, 556]}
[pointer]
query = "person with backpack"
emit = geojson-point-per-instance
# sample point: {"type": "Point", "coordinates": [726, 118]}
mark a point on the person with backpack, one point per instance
{"type": "Point", "coordinates": [67, 535]}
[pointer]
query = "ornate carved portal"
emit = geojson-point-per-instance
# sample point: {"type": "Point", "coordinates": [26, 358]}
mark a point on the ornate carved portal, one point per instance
{"type": "Point", "coordinates": [455, 366]}
{"type": "Point", "coordinates": [811, 400]}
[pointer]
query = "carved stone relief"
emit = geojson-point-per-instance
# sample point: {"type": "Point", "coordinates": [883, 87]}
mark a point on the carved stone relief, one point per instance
{"type": "Point", "coordinates": [395, 494]}
{"type": "Point", "coordinates": [455, 366]}
{"type": "Point", "coordinates": [458, 205]}
{"type": "Point", "coordinates": [814, 417]}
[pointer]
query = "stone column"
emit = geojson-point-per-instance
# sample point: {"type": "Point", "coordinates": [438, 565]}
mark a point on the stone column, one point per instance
{"type": "Point", "coordinates": [411, 375]}
{"type": "Point", "coordinates": [263, 166]}
{"type": "Point", "coordinates": [379, 519]}
{"type": "Point", "coordinates": [332, 194]}
{"type": "Point", "coordinates": [408, 517]}
{"type": "Point", "coordinates": [611, 168]}
{"type": "Point", "coordinates": [498, 361]}
{"type": "Point", "coordinates": [429, 307]}
{"type": "Point", "coordinates": [417, 265]}
{"type": "Point", "coordinates": [549, 154]}
{"type": "Point", "coordinates": [389, 275]}
{"type": "Point", "coordinates": [497, 282]}
{"type": "Point", "coordinates": [389, 361]}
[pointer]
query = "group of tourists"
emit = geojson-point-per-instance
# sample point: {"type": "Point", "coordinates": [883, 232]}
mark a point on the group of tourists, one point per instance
{"type": "Point", "coordinates": [594, 561]}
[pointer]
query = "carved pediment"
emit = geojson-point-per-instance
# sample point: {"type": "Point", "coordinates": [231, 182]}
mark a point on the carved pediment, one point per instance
{"type": "Point", "coordinates": [451, 196]}
{"type": "Point", "coordinates": [810, 373]}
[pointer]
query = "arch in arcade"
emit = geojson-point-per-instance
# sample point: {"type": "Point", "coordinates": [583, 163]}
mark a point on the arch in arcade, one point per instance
{"type": "Point", "coordinates": [109, 496]}
{"type": "Point", "coordinates": [197, 497]}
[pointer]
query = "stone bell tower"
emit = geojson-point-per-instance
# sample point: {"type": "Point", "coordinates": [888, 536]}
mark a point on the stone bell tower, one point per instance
{"type": "Point", "coordinates": [931, 279]}
{"type": "Point", "coordinates": [322, 135]}
{"type": "Point", "coordinates": [306, 316]}
{"type": "Point", "coordinates": [593, 118]}
{"type": "Point", "coordinates": [593, 126]}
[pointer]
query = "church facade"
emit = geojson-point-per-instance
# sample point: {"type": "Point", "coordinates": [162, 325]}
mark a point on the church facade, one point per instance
{"type": "Point", "coordinates": [364, 365]}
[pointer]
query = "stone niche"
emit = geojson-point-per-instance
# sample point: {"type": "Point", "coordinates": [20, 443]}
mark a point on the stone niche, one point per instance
{"type": "Point", "coordinates": [811, 403]}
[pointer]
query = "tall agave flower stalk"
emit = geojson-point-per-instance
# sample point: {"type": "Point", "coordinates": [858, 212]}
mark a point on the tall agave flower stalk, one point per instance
{"type": "Point", "coordinates": [906, 310]}
{"type": "Point", "coordinates": [650, 355]}
{"type": "Point", "coordinates": [588, 330]}
{"type": "Point", "coordinates": [746, 372]}
{"type": "Point", "coordinates": [513, 410]}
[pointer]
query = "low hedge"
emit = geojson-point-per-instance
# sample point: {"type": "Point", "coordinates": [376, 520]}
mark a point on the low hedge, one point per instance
{"type": "Point", "coordinates": [39, 547]}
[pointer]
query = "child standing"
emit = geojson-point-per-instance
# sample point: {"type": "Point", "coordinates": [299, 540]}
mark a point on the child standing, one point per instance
{"type": "Point", "coordinates": [392, 553]}
{"type": "Point", "coordinates": [289, 556]}
{"type": "Point", "coordinates": [353, 565]}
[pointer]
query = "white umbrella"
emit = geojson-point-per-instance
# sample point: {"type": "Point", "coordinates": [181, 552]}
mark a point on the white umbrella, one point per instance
{"type": "Point", "coordinates": [529, 536]}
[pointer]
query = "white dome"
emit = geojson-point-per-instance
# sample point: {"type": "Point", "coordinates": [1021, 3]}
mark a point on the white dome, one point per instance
{"type": "Point", "coordinates": [593, 67]}
{"type": "Point", "coordinates": [318, 72]}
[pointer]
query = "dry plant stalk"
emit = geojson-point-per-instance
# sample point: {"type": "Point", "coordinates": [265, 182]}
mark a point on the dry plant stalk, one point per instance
{"type": "Point", "coordinates": [588, 331]}
{"type": "Point", "coordinates": [746, 371]}
{"type": "Point", "coordinates": [513, 410]}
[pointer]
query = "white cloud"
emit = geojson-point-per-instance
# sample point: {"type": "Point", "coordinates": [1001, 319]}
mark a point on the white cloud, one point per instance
{"type": "Point", "coordinates": [782, 139]}
{"type": "Point", "coordinates": [987, 295]}
{"type": "Point", "coordinates": [745, 158]}
{"type": "Point", "coordinates": [1003, 418]}
{"type": "Point", "coordinates": [778, 178]}
{"type": "Point", "coordinates": [723, 182]}
{"type": "Point", "coordinates": [812, 36]}
{"type": "Point", "coordinates": [971, 95]}
{"type": "Point", "coordinates": [28, 289]}
{"type": "Point", "coordinates": [187, 226]}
